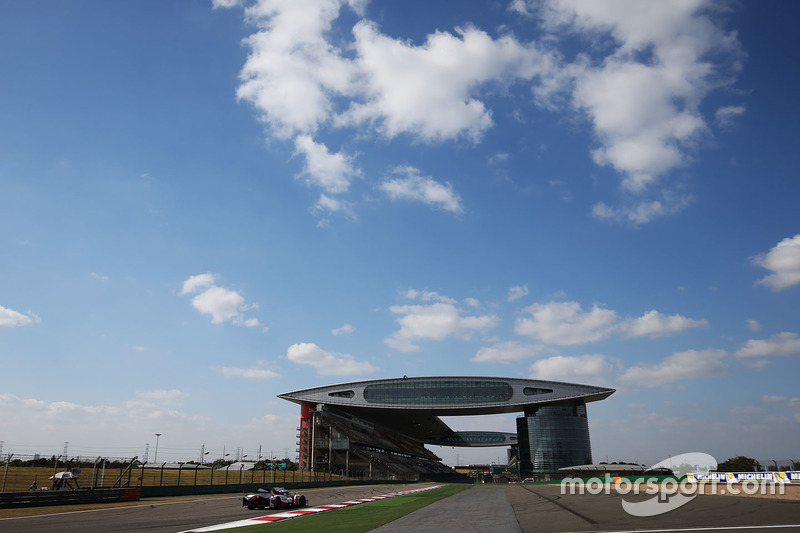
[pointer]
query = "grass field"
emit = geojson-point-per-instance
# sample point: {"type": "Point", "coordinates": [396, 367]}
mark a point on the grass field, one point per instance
{"type": "Point", "coordinates": [359, 518]}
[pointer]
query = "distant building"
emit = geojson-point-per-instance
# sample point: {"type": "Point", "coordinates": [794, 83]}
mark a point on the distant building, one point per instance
{"type": "Point", "coordinates": [379, 428]}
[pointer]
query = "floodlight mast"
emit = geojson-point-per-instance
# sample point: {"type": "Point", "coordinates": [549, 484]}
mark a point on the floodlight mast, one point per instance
{"type": "Point", "coordinates": [155, 460]}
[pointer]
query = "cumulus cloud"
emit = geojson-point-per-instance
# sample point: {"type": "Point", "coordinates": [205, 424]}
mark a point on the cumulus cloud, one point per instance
{"type": "Point", "coordinates": [331, 172]}
{"type": "Point", "coordinates": [299, 79]}
{"type": "Point", "coordinates": [654, 324]}
{"type": "Point", "coordinates": [434, 321]}
{"type": "Point", "coordinates": [640, 86]}
{"type": "Point", "coordinates": [11, 319]}
{"type": "Point", "coordinates": [640, 212]}
{"type": "Point", "coordinates": [754, 325]}
{"type": "Point", "coordinates": [344, 330]}
{"type": "Point", "coordinates": [195, 283]}
{"type": "Point", "coordinates": [224, 305]}
{"type": "Point", "coordinates": [726, 115]}
{"type": "Point", "coordinates": [224, 4]}
{"type": "Point", "coordinates": [594, 368]}
{"type": "Point", "coordinates": [690, 364]}
{"type": "Point", "coordinates": [643, 97]}
{"type": "Point", "coordinates": [781, 344]}
{"type": "Point", "coordinates": [428, 91]}
{"type": "Point", "coordinates": [505, 352]}
{"type": "Point", "coordinates": [162, 395]}
{"type": "Point", "coordinates": [784, 262]}
{"type": "Point", "coordinates": [292, 71]}
{"type": "Point", "coordinates": [410, 185]}
{"type": "Point", "coordinates": [327, 363]}
{"type": "Point", "coordinates": [517, 292]}
{"type": "Point", "coordinates": [247, 373]}
{"type": "Point", "coordinates": [566, 323]}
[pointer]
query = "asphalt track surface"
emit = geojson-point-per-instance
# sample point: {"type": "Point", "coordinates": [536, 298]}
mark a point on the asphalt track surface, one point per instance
{"type": "Point", "coordinates": [492, 508]}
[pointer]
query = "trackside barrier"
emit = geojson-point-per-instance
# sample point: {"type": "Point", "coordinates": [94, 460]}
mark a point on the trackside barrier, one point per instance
{"type": "Point", "coordinates": [186, 490]}
{"type": "Point", "coordinates": [41, 498]}
{"type": "Point", "coordinates": [745, 477]}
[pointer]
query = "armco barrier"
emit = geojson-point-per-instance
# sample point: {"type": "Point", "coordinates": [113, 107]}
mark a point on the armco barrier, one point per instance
{"type": "Point", "coordinates": [41, 498]}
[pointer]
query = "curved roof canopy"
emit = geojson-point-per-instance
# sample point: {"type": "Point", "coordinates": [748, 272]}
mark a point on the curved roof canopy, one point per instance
{"type": "Point", "coordinates": [448, 395]}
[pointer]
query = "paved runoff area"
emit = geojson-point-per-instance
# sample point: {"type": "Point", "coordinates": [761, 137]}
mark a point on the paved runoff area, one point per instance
{"type": "Point", "coordinates": [529, 508]}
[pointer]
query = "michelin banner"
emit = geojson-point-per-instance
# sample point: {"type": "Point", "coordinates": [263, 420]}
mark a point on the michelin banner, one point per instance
{"type": "Point", "coordinates": [742, 477]}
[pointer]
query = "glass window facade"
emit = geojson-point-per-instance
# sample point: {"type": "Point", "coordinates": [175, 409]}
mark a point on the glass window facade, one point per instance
{"type": "Point", "coordinates": [475, 438]}
{"type": "Point", "coordinates": [438, 392]}
{"type": "Point", "coordinates": [552, 437]}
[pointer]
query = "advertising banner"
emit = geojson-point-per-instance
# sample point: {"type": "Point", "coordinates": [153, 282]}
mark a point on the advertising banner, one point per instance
{"type": "Point", "coordinates": [742, 477]}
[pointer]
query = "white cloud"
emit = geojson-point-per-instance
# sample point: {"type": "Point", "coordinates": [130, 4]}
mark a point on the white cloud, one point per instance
{"type": "Point", "coordinates": [327, 363]}
{"type": "Point", "coordinates": [505, 352]}
{"type": "Point", "coordinates": [654, 324]}
{"type": "Point", "coordinates": [472, 302]}
{"type": "Point", "coordinates": [516, 292]}
{"type": "Point", "coordinates": [641, 89]}
{"type": "Point", "coordinates": [643, 97]}
{"type": "Point", "coordinates": [224, 4]}
{"type": "Point", "coordinates": [412, 186]}
{"type": "Point", "coordinates": [726, 115]}
{"type": "Point", "coordinates": [222, 304]}
{"type": "Point", "coordinates": [292, 71]}
{"type": "Point", "coordinates": [594, 368]}
{"type": "Point", "coordinates": [434, 321]}
{"type": "Point", "coordinates": [11, 319]}
{"type": "Point", "coordinates": [773, 399]}
{"type": "Point", "coordinates": [784, 262]}
{"type": "Point", "coordinates": [565, 323]}
{"type": "Point", "coordinates": [97, 276]}
{"type": "Point", "coordinates": [690, 364]}
{"type": "Point", "coordinates": [248, 373]}
{"type": "Point", "coordinates": [162, 395]}
{"type": "Point", "coordinates": [428, 90]}
{"type": "Point", "coordinates": [781, 344]}
{"type": "Point", "coordinates": [644, 211]}
{"type": "Point", "coordinates": [344, 330]}
{"type": "Point", "coordinates": [195, 283]}
{"type": "Point", "coordinates": [754, 325]}
{"type": "Point", "coordinates": [331, 172]}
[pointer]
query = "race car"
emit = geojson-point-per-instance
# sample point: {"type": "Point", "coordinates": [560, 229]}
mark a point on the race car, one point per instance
{"type": "Point", "coordinates": [273, 498]}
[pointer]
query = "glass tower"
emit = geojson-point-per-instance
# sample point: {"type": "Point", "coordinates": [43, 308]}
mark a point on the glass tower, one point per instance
{"type": "Point", "coordinates": [552, 437]}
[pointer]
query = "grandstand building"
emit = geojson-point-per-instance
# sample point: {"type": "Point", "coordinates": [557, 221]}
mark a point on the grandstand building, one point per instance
{"type": "Point", "coordinates": [379, 428]}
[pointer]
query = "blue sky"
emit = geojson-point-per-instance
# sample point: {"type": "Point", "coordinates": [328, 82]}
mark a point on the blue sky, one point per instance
{"type": "Point", "coordinates": [205, 204]}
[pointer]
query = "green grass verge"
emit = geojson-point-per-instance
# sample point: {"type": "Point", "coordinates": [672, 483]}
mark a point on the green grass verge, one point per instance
{"type": "Point", "coordinates": [359, 518]}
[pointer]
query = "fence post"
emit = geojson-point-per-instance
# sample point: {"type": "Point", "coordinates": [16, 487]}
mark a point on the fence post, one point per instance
{"type": "Point", "coordinates": [8, 461]}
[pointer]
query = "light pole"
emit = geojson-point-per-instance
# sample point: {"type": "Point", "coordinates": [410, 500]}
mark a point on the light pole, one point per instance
{"type": "Point", "coordinates": [156, 458]}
